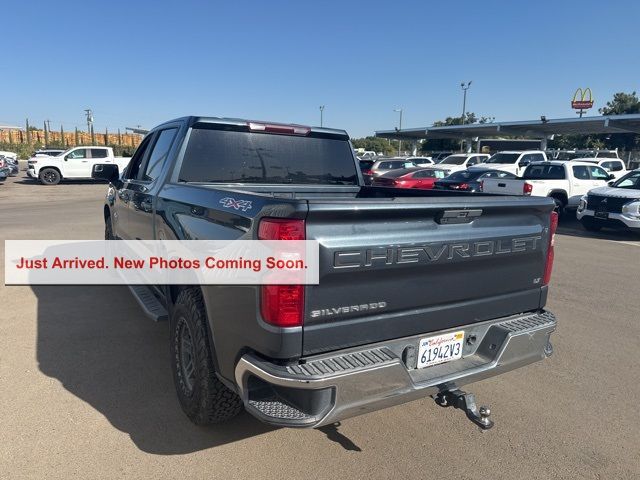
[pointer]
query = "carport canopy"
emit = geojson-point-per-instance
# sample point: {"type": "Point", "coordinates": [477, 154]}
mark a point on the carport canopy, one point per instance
{"type": "Point", "coordinates": [543, 128]}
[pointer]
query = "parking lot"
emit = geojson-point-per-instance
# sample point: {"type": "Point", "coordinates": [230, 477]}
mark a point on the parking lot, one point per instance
{"type": "Point", "coordinates": [86, 387]}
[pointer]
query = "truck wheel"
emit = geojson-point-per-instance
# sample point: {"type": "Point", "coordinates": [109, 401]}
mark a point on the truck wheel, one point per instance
{"type": "Point", "coordinates": [49, 176]}
{"type": "Point", "coordinates": [203, 397]}
{"type": "Point", "coordinates": [560, 205]}
{"type": "Point", "coordinates": [108, 229]}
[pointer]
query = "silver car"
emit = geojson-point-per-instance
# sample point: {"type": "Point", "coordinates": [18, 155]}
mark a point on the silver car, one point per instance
{"type": "Point", "coordinates": [385, 165]}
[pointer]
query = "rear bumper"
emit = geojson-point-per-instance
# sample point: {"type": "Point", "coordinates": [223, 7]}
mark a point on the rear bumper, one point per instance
{"type": "Point", "coordinates": [328, 388]}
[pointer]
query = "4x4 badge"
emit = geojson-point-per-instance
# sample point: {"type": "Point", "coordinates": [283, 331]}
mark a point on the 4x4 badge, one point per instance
{"type": "Point", "coordinates": [236, 204]}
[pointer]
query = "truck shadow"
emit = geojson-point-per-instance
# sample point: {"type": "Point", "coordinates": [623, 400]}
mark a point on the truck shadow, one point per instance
{"type": "Point", "coordinates": [570, 226]}
{"type": "Point", "coordinates": [97, 343]}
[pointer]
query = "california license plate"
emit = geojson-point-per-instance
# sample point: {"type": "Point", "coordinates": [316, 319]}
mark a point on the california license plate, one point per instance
{"type": "Point", "coordinates": [440, 349]}
{"type": "Point", "coordinates": [601, 214]}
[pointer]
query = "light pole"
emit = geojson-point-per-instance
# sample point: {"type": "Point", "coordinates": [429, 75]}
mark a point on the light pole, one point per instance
{"type": "Point", "coordinates": [321, 114]}
{"type": "Point", "coordinates": [465, 87]}
{"type": "Point", "coordinates": [89, 114]}
{"type": "Point", "coordinates": [399, 129]}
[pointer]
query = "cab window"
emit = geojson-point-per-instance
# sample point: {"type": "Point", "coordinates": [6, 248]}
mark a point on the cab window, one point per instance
{"type": "Point", "coordinates": [598, 173]}
{"type": "Point", "coordinates": [98, 152]}
{"type": "Point", "coordinates": [134, 165]}
{"type": "Point", "coordinates": [155, 160]}
{"type": "Point", "coordinates": [79, 153]}
{"type": "Point", "coordinates": [580, 172]}
{"type": "Point", "coordinates": [613, 166]}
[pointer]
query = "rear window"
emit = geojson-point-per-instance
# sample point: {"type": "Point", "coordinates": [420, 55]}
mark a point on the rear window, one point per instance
{"type": "Point", "coordinates": [366, 164]}
{"type": "Point", "coordinates": [504, 158]}
{"type": "Point", "coordinates": [464, 175]}
{"type": "Point", "coordinates": [454, 160]}
{"type": "Point", "coordinates": [544, 172]}
{"type": "Point", "coordinates": [429, 174]}
{"type": "Point", "coordinates": [224, 156]}
{"type": "Point", "coordinates": [395, 164]}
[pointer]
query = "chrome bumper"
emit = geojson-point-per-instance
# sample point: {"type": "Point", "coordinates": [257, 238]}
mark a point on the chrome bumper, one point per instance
{"type": "Point", "coordinates": [328, 388]}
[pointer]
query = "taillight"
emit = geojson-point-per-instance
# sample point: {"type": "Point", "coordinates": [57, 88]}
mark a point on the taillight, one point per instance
{"type": "Point", "coordinates": [282, 305]}
{"type": "Point", "coordinates": [463, 186]}
{"type": "Point", "coordinates": [481, 185]}
{"type": "Point", "coordinates": [278, 128]}
{"type": "Point", "coordinates": [281, 229]}
{"type": "Point", "coordinates": [367, 172]}
{"type": "Point", "coordinates": [553, 226]}
{"type": "Point", "coordinates": [527, 188]}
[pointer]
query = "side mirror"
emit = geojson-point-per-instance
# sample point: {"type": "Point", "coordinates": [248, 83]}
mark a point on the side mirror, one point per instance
{"type": "Point", "coordinates": [524, 163]}
{"type": "Point", "coordinates": [610, 183]}
{"type": "Point", "coordinates": [612, 176]}
{"type": "Point", "coordinates": [105, 171]}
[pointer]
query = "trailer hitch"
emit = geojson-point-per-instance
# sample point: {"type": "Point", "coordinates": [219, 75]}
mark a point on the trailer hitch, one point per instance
{"type": "Point", "coordinates": [467, 402]}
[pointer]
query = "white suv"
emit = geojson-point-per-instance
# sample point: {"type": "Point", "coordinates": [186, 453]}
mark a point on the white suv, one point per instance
{"type": "Point", "coordinates": [616, 206]}
{"type": "Point", "coordinates": [462, 161]}
{"type": "Point", "coordinates": [514, 161]}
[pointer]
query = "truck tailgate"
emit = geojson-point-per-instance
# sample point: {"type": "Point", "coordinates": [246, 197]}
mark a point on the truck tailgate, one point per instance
{"type": "Point", "coordinates": [505, 186]}
{"type": "Point", "coordinates": [396, 267]}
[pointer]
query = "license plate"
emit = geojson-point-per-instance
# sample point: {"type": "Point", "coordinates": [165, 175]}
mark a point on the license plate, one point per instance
{"type": "Point", "coordinates": [601, 215]}
{"type": "Point", "coordinates": [440, 349]}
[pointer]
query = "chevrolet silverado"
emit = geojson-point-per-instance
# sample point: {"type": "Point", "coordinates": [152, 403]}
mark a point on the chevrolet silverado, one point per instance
{"type": "Point", "coordinates": [419, 292]}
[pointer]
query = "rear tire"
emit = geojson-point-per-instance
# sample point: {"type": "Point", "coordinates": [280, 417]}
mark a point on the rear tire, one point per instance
{"type": "Point", "coordinates": [560, 205]}
{"type": "Point", "coordinates": [49, 176]}
{"type": "Point", "coordinates": [108, 229]}
{"type": "Point", "coordinates": [202, 396]}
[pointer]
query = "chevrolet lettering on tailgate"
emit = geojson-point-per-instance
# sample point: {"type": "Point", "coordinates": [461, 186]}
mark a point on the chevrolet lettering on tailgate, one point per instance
{"type": "Point", "coordinates": [432, 252]}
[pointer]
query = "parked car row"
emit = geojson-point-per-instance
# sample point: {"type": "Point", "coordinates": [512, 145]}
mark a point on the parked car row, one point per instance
{"type": "Point", "coordinates": [599, 189]}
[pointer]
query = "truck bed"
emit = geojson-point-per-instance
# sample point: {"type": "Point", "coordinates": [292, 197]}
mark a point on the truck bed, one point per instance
{"type": "Point", "coordinates": [485, 267]}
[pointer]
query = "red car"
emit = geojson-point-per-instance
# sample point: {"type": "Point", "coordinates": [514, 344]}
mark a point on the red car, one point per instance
{"type": "Point", "coordinates": [410, 178]}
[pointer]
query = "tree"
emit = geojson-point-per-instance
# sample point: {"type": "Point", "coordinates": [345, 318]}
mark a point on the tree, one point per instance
{"type": "Point", "coordinates": [375, 144]}
{"type": "Point", "coordinates": [451, 145]}
{"type": "Point", "coordinates": [622, 103]}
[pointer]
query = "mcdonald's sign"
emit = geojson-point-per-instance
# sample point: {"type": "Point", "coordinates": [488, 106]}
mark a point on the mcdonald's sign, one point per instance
{"type": "Point", "coordinates": [582, 99]}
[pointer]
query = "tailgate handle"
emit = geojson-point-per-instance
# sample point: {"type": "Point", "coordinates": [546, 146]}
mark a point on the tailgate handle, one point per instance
{"type": "Point", "coordinates": [449, 217]}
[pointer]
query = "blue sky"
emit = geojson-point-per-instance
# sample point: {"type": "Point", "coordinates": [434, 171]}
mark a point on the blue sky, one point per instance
{"type": "Point", "coordinates": [143, 62]}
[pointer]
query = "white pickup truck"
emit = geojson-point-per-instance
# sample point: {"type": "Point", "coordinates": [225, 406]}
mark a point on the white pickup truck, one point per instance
{"type": "Point", "coordinates": [513, 161]}
{"type": "Point", "coordinates": [565, 182]}
{"type": "Point", "coordinates": [76, 163]}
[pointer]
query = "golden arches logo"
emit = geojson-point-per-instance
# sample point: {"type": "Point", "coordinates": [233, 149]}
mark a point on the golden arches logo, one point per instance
{"type": "Point", "coordinates": [582, 99]}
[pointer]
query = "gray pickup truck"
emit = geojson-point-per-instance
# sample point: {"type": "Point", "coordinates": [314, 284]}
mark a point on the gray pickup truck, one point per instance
{"type": "Point", "coordinates": [420, 292]}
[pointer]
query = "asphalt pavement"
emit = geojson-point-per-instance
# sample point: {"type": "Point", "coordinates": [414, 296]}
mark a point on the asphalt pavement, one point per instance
{"type": "Point", "coordinates": [86, 388]}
